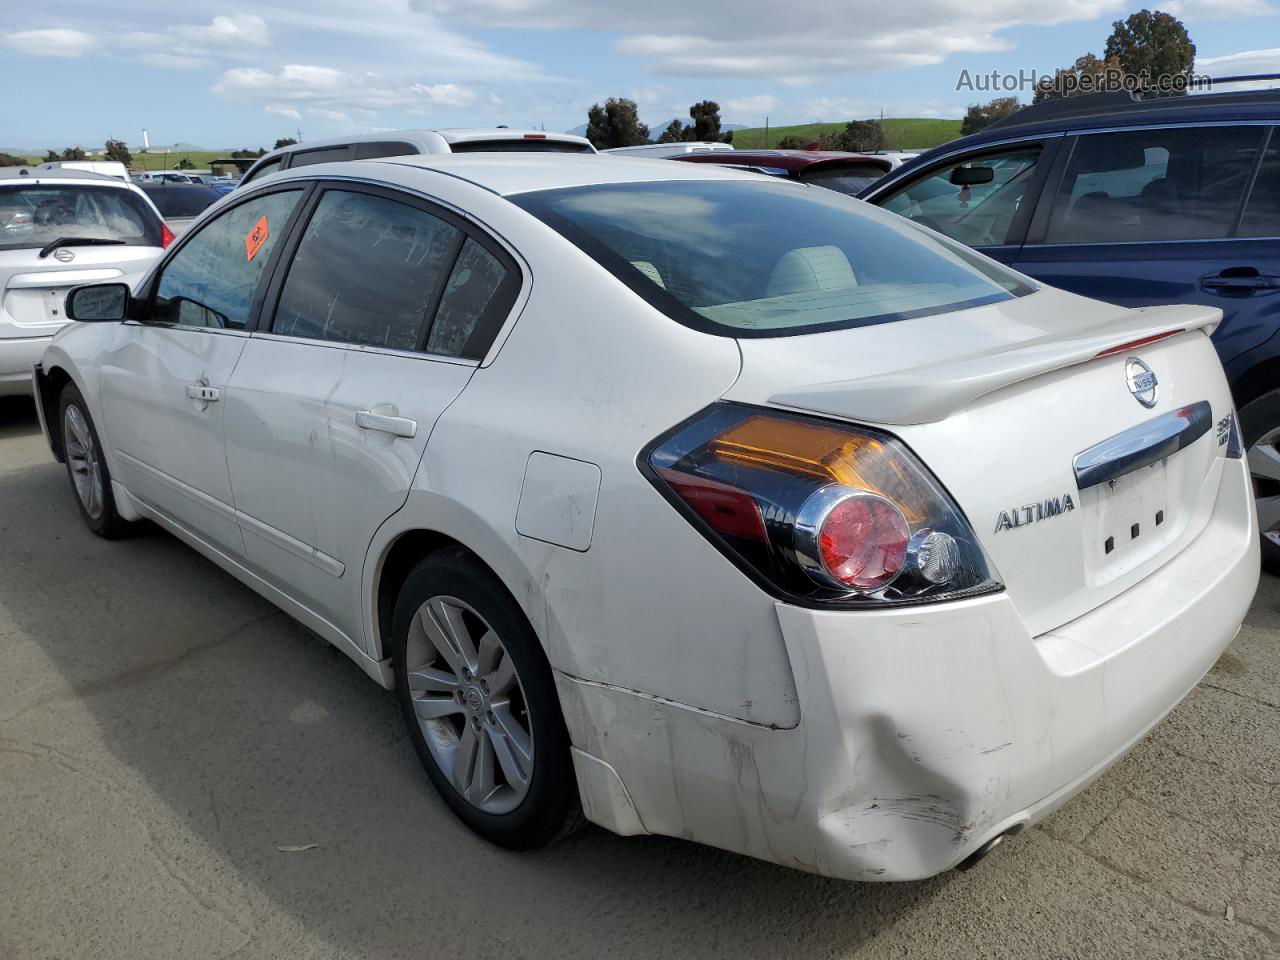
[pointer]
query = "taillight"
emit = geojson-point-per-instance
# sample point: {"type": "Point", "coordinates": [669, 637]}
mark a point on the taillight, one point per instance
{"type": "Point", "coordinates": [166, 236]}
{"type": "Point", "coordinates": [816, 510]}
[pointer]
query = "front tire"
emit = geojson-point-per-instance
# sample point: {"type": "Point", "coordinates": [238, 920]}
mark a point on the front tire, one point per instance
{"type": "Point", "coordinates": [87, 468]}
{"type": "Point", "coordinates": [480, 703]}
{"type": "Point", "coordinates": [1260, 429]}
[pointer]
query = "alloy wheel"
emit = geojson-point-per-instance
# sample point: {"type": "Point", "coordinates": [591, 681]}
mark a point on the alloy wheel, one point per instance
{"type": "Point", "coordinates": [1264, 464]}
{"type": "Point", "coordinates": [470, 705]}
{"type": "Point", "coordinates": [82, 457]}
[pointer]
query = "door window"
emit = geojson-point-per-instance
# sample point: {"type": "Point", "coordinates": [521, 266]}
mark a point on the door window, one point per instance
{"type": "Point", "coordinates": [1154, 185]}
{"type": "Point", "coordinates": [1262, 212]}
{"type": "Point", "coordinates": [367, 271]}
{"type": "Point", "coordinates": [475, 301]}
{"type": "Point", "coordinates": [271, 166]}
{"type": "Point", "coordinates": [974, 201]}
{"type": "Point", "coordinates": [212, 279]}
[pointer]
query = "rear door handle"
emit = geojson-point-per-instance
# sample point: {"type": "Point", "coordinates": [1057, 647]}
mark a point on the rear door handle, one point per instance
{"type": "Point", "coordinates": [1242, 279]}
{"type": "Point", "coordinates": [203, 392]}
{"type": "Point", "coordinates": [396, 426]}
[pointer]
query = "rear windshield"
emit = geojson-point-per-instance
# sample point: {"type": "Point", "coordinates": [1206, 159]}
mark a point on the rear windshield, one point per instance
{"type": "Point", "coordinates": [519, 146]}
{"type": "Point", "coordinates": [851, 179]}
{"type": "Point", "coordinates": [181, 199]}
{"type": "Point", "coordinates": [33, 216]}
{"type": "Point", "coordinates": [766, 259]}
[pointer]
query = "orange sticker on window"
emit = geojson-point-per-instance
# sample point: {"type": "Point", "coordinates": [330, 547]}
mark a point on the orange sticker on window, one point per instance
{"type": "Point", "coordinates": [255, 239]}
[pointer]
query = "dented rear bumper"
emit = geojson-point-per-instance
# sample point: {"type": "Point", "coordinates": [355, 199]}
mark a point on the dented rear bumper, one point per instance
{"type": "Point", "coordinates": [924, 732]}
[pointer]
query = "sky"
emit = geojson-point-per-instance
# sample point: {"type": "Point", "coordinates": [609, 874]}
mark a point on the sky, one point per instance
{"type": "Point", "coordinates": [217, 74]}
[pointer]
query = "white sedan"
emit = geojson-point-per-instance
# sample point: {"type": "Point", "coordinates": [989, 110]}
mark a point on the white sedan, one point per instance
{"type": "Point", "coordinates": [693, 502]}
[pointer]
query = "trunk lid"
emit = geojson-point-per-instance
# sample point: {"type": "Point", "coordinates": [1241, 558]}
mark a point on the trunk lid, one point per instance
{"type": "Point", "coordinates": [1000, 401]}
{"type": "Point", "coordinates": [33, 290]}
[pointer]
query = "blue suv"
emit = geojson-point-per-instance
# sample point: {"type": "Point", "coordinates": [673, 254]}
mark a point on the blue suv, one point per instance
{"type": "Point", "coordinates": [1134, 202]}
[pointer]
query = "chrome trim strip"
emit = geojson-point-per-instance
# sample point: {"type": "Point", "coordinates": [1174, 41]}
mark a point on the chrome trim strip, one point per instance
{"type": "Point", "coordinates": [1140, 446]}
{"type": "Point", "coordinates": [335, 568]}
{"type": "Point", "coordinates": [364, 348]}
{"type": "Point", "coordinates": [225, 510]}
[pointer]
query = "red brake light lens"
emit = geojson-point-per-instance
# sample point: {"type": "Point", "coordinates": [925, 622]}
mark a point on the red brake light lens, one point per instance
{"type": "Point", "coordinates": [818, 511]}
{"type": "Point", "coordinates": [166, 236]}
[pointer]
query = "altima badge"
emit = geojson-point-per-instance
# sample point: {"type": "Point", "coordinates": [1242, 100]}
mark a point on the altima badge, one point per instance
{"type": "Point", "coordinates": [1142, 382]}
{"type": "Point", "coordinates": [1043, 510]}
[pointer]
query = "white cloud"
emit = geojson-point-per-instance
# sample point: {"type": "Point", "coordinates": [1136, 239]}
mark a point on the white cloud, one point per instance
{"type": "Point", "coordinates": [752, 106]}
{"type": "Point", "coordinates": [174, 61]}
{"type": "Point", "coordinates": [49, 43]}
{"type": "Point", "coordinates": [230, 31]}
{"type": "Point", "coordinates": [1217, 9]}
{"type": "Point", "coordinates": [333, 94]}
{"type": "Point", "coordinates": [815, 38]}
{"type": "Point", "coordinates": [283, 110]}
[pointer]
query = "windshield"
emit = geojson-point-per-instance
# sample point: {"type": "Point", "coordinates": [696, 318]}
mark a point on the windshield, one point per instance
{"type": "Point", "coordinates": [762, 258]}
{"type": "Point", "coordinates": [33, 216]}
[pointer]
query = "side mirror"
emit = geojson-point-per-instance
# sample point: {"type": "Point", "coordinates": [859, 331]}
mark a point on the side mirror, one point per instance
{"type": "Point", "coordinates": [98, 303]}
{"type": "Point", "coordinates": [971, 176]}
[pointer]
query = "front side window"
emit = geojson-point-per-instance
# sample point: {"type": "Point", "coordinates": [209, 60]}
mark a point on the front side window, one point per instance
{"type": "Point", "coordinates": [303, 158]}
{"type": "Point", "coordinates": [367, 271]}
{"type": "Point", "coordinates": [271, 166]}
{"type": "Point", "coordinates": [974, 201]}
{"type": "Point", "coordinates": [212, 279]}
{"type": "Point", "coordinates": [763, 258]}
{"type": "Point", "coordinates": [1153, 185]}
{"type": "Point", "coordinates": [37, 215]}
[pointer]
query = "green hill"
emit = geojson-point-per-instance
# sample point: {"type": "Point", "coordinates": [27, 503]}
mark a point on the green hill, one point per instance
{"type": "Point", "coordinates": [903, 133]}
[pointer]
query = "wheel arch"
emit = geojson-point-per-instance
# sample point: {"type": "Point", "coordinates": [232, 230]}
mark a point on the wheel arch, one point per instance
{"type": "Point", "coordinates": [1261, 378]}
{"type": "Point", "coordinates": [56, 380]}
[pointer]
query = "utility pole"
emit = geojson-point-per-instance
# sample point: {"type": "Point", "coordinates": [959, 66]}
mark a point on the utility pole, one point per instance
{"type": "Point", "coordinates": [766, 133]}
{"type": "Point", "coordinates": [299, 133]}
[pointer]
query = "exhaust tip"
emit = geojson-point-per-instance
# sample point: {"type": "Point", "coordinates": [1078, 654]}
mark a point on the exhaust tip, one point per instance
{"type": "Point", "coordinates": [973, 859]}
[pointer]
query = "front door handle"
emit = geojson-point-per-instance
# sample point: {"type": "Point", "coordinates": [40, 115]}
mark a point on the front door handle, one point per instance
{"type": "Point", "coordinates": [396, 426]}
{"type": "Point", "coordinates": [1240, 280]}
{"type": "Point", "coordinates": [203, 392]}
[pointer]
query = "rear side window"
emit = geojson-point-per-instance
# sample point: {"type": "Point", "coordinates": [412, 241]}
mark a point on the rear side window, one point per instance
{"type": "Point", "coordinates": [1154, 185]}
{"type": "Point", "coordinates": [1262, 212]}
{"type": "Point", "coordinates": [367, 271]}
{"type": "Point", "coordinates": [475, 302]}
{"type": "Point", "coordinates": [384, 148]}
{"type": "Point", "coordinates": [271, 166]}
{"type": "Point", "coordinates": [212, 279]}
{"type": "Point", "coordinates": [762, 258]}
{"type": "Point", "coordinates": [33, 216]}
{"type": "Point", "coordinates": [303, 158]}
{"type": "Point", "coordinates": [519, 146]}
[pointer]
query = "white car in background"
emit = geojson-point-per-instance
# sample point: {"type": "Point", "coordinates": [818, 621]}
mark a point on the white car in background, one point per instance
{"type": "Point", "coordinates": [60, 228]}
{"type": "Point", "coordinates": [699, 502]}
{"type": "Point", "coordinates": [403, 143]}
{"type": "Point", "coordinates": [661, 151]}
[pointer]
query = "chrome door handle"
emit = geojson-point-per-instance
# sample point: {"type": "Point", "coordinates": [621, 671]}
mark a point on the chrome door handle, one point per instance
{"type": "Point", "coordinates": [396, 426]}
{"type": "Point", "coordinates": [203, 392]}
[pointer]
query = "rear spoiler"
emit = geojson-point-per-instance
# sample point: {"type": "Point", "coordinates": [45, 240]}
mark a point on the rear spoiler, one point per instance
{"type": "Point", "coordinates": [934, 391]}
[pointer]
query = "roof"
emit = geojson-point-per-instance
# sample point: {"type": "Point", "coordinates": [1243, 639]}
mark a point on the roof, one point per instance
{"type": "Point", "coordinates": [792, 161]}
{"type": "Point", "coordinates": [34, 174]}
{"type": "Point", "coordinates": [512, 173]}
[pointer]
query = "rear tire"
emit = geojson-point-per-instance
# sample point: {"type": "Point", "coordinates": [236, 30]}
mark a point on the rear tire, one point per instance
{"type": "Point", "coordinates": [480, 703]}
{"type": "Point", "coordinates": [87, 468]}
{"type": "Point", "coordinates": [1260, 430]}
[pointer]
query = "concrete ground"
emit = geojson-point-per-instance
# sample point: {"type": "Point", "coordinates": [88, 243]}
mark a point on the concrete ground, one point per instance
{"type": "Point", "coordinates": [166, 737]}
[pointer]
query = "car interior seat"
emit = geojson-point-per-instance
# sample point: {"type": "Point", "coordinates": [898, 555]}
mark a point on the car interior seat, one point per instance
{"type": "Point", "coordinates": [810, 270]}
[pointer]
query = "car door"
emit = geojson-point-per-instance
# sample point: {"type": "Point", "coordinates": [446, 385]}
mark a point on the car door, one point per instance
{"type": "Point", "coordinates": [163, 383]}
{"type": "Point", "coordinates": [983, 198]}
{"type": "Point", "coordinates": [382, 307]}
{"type": "Point", "coordinates": [1158, 215]}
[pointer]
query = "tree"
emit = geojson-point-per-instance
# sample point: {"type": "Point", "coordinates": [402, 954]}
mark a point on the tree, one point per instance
{"type": "Point", "coordinates": [863, 135]}
{"type": "Point", "coordinates": [673, 134]}
{"type": "Point", "coordinates": [1154, 48]}
{"type": "Point", "coordinates": [792, 142]}
{"type": "Point", "coordinates": [116, 150]}
{"type": "Point", "coordinates": [706, 122]}
{"type": "Point", "coordinates": [247, 154]}
{"type": "Point", "coordinates": [1087, 75]}
{"type": "Point", "coordinates": [979, 116]}
{"type": "Point", "coordinates": [186, 164]}
{"type": "Point", "coordinates": [9, 160]}
{"type": "Point", "coordinates": [51, 156]}
{"type": "Point", "coordinates": [73, 153]}
{"type": "Point", "coordinates": [616, 124]}
{"type": "Point", "coordinates": [284, 142]}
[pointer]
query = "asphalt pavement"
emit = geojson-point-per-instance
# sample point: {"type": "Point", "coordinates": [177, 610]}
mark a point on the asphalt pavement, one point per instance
{"type": "Point", "coordinates": [187, 773]}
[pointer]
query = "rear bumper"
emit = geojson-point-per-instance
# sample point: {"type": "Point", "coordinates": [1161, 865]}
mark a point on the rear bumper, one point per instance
{"type": "Point", "coordinates": [17, 356]}
{"type": "Point", "coordinates": [926, 732]}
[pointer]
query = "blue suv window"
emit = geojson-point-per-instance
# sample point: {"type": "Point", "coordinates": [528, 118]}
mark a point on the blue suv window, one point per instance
{"type": "Point", "coordinates": [1151, 185]}
{"type": "Point", "coordinates": [1262, 212]}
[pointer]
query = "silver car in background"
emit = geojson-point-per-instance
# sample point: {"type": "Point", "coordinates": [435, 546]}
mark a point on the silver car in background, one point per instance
{"type": "Point", "coordinates": [60, 229]}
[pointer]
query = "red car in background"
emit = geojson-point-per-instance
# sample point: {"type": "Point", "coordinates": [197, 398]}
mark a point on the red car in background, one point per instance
{"type": "Point", "coordinates": [848, 173]}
